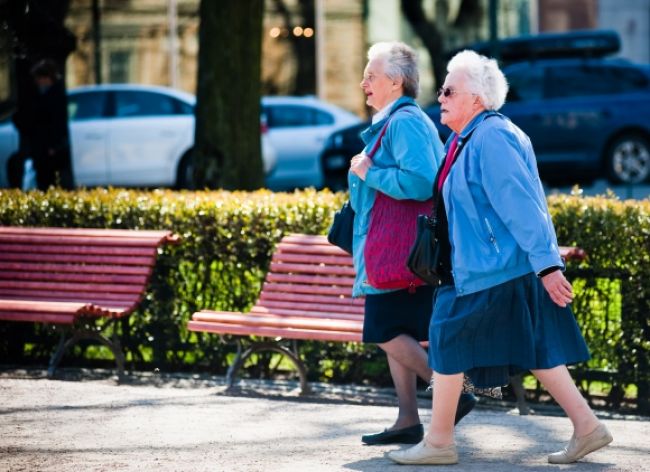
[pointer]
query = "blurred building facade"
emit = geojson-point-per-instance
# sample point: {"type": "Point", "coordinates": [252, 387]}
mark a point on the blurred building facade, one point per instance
{"type": "Point", "coordinates": [136, 45]}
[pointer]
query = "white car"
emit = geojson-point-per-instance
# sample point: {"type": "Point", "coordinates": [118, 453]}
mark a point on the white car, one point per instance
{"type": "Point", "coordinates": [128, 136]}
{"type": "Point", "coordinates": [298, 128]}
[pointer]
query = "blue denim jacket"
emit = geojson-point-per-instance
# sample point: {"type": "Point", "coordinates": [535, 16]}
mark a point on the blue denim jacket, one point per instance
{"type": "Point", "coordinates": [499, 224]}
{"type": "Point", "coordinates": [404, 167]}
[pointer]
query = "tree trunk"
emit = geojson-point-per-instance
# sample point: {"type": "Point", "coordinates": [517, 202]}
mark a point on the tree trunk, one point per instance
{"type": "Point", "coordinates": [227, 150]}
{"type": "Point", "coordinates": [429, 35]}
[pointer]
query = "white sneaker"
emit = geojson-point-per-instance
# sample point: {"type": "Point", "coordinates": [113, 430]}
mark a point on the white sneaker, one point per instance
{"type": "Point", "coordinates": [423, 453]}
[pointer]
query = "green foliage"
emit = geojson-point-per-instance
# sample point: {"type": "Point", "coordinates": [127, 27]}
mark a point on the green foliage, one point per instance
{"type": "Point", "coordinates": [227, 242]}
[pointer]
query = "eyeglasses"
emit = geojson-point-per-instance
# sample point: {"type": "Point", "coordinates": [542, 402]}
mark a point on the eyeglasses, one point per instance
{"type": "Point", "coordinates": [446, 91]}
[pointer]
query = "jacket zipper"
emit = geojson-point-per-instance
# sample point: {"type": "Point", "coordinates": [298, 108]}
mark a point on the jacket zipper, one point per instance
{"type": "Point", "coordinates": [493, 238]}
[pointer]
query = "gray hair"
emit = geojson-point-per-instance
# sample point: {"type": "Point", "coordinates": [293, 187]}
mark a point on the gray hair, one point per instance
{"type": "Point", "coordinates": [484, 78]}
{"type": "Point", "coordinates": [400, 62]}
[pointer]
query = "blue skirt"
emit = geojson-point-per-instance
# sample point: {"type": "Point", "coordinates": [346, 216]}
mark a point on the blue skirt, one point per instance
{"type": "Point", "coordinates": [387, 315]}
{"type": "Point", "coordinates": [500, 331]}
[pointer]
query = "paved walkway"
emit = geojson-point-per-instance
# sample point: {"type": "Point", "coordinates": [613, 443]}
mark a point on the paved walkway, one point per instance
{"type": "Point", "coordinates": [189, 423]}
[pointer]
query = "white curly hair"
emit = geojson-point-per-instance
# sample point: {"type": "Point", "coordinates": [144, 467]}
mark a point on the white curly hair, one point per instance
{"type": "Point", "coordinates": [483, 76]}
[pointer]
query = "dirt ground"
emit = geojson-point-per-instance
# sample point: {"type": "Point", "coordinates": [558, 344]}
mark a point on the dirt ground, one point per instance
{"type": "Point", "coordinates": [86, 422]}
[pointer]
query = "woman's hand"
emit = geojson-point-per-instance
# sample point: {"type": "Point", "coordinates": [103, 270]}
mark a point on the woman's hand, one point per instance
{"type": "Point", "coordinates": [558, 287]}
{"type": "Point", "coordinates": [359, 165]}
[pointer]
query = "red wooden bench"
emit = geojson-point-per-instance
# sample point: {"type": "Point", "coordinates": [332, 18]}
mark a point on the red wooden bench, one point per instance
{"type": "Point", "coordinates": [80, 280]}
{"type": "Point", "coordinates": [307, 295]}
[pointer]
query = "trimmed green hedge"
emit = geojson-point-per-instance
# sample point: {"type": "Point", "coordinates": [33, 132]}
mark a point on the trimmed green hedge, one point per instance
{"type": "Point", "coordinates": [227, 242]}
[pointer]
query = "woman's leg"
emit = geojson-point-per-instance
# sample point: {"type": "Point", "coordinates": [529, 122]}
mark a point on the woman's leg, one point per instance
{"type": "Point", "coordinates": [405, 382]}
{"type": "Point", "coordinates": [558, 382]}
{"type": "Point", "coordinates": [446, 390]}
{"type": "Point", "coordinates": [589, 434]}
{"type": "Point", "coordinates": [406, 360]}
{"type": "Point", "coordinates": [438, 446]}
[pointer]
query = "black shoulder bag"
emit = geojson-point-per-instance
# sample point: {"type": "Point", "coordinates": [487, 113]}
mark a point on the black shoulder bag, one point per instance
{"type": "Point", "coordinates": [424, 258]}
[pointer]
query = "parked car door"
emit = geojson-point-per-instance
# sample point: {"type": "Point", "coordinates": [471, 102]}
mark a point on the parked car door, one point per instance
{"type": "Point", "coordinates": [89, 128]}
{"type": "Point", "coordinates": [298, 133]}
{"type": "Point", "coordinates": [147, 138]}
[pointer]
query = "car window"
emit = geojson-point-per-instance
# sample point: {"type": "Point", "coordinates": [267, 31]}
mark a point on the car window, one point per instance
{"type": "Point", "coordinates": [284, 116]}
{"type": "Point", "coordinates": [86, 106]}
{"type": "Point", "coordinates": [580, 81]}
{"type": "Point", "coordinates": [182, 108]}
{"type": "Point", "coordinates": [525, 84]}
{"type": "Point", "coordinates": [139, 103]}
{"type": "Point", "coordinates": [629, 80]}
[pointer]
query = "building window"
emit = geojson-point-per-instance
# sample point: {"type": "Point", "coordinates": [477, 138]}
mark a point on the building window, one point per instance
{"type": "Point", "coordinates": [119, 65]}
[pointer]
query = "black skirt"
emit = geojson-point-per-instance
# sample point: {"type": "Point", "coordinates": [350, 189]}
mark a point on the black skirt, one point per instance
{"type": "Point", "coordinates": [387, 315]}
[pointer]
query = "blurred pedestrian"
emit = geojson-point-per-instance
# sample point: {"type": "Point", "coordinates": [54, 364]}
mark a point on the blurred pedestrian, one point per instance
{"type": "Point", "coordinates": [407, 154]}
{"type": "Point", "coordinates": [506, 309]}
{"type": "Point", "coordinates": [44, 129]}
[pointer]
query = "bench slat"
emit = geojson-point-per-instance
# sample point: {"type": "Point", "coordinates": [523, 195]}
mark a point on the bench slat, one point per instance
{"type": "Point", "coordinates": [114, 299]}
{"type": "Point", "coordinates": [73, 287]}
{"type": "Point", "coordinates": [306, 239]}
{"type": "Point", "coordinates": [303, 288]}
{"type": "Point", "coordinates": [224, 328]}
{"type": "Point", "coordinates": [314, 249]}
{"type": "Point", "coordinates": [305, 298]}
{"type": "Point", "coordinates": [137, 280]}
{"type": "Point", "coordinates": [31, 305]}
{"type": "Point", "coordinates": [82, 250]}
{"type": "Point", "coordinates": [80, 240]}
{"type": "Point", "coordinates": [313, 269]}
{"type": "Point", "coordinates": [309, 259]}
{"type": "Point", "coordinates": [347, 308]}
{"type": "Point", "coordinates": [310, 279]}
{"type": "Point", "coordinates": [76, 268]}
{"type": "Point", "coordinates": [80, 259]}
{"type": "Point", "coordinates": [330, 315]}
{"type": "Point", "coordinates": [286, 321]}
{"type": "Point", "coordinates": [38, 317]}
{"type": "Point", "coordinates": [160, 235]}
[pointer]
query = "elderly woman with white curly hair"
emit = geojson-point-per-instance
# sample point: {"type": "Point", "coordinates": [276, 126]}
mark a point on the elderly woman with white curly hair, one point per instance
{"type": "Point", "coordinates": [505, 308]}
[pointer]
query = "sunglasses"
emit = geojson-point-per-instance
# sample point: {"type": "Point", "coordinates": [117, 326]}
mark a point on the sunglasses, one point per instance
{"type": "Point", "coordinates": [446, 91]}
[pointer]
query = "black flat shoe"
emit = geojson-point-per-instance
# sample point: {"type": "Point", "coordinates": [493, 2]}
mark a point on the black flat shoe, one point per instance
{"type": "Point", "coordinates": [410, 435]}
{"type": "Point", "coordinates": [466, 403]}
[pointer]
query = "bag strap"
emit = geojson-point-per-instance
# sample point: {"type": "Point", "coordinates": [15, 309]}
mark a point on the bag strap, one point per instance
{"type": "Point", "coordinates": [459, 149]}
{"type": "Point", "coordinates": [383, 129]}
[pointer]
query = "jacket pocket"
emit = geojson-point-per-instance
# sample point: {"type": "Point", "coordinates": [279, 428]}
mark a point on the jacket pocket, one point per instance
{"type": "Point", "coordinates": [492, 237]}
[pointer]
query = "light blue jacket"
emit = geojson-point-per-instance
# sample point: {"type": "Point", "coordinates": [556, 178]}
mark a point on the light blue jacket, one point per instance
{"type": "Point", "coordinates": [404, 167]}
{"type": "Point", "coordinates": [499, 224]}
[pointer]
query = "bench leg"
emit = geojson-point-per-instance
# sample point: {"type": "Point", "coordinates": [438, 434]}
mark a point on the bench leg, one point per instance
{"type": "Point", "coordinates": [83, 333]}
{"type": "Point", "coordinates": [241, 358]}
{"type": "Point", "coordinates": [234, 366]}
{"type": "Point", "coordinates": [57, 354]}
{"type": "Point", "coordinates": [517, 384]}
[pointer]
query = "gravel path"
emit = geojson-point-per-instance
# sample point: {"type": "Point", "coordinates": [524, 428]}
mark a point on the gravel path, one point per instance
{"type": "Point", "coordinates": [189, 423]}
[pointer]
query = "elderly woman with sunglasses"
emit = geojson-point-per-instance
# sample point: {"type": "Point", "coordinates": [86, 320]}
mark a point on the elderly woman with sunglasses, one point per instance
{"type": "Point", "coordinates": [407, 152]}
{"type": "Point", "coordinates": [506, 309]}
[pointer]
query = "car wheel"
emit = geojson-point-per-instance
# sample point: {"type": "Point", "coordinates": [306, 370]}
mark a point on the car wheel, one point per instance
{"type": "Point", "coordinates": [628, 159]}
{"type": "Point", "coordinates": [185, 172]}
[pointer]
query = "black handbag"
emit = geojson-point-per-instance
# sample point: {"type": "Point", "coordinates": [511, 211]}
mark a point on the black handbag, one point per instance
{"type": "Point", "coordinates": [340, 233]}
{"type": "Point", "coordinates": [424, 258]}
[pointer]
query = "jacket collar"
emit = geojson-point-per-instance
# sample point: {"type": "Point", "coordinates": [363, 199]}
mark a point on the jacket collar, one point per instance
{"type": "Point", "coordinates": [469, 128]}
{"type": "Point", "coordinates": [373, 129]}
